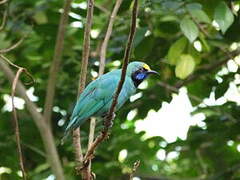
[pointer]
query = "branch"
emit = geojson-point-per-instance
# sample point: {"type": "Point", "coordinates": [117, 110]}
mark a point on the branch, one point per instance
{"type": "Point", "coordinates": [2, 51]}
{"type": "Point", "coordinates": [82, 82]}
{"type": "Point", "coordinates": [207, 68]}
{"type": "Point", "coordinates": [46, 134]}
{"type": "Point", "coordinates": [5, 14]}
{"type": "Point", "coordinates": [17, 133]}
{"type": "Point", "coordinates": [56, 62]}
{"type": "Point", "coordinates": [135, 166]}
{"type": "Point", "coordinates": [176, 90]}
{"type": "Point", "coordinates": [110, 116]}
{"type": "Point", "coordinates": [102, 66]}
{"type": "Point", "coordinates": [107, 37]}
{"type": "Point", "coordinates": [3, 1]}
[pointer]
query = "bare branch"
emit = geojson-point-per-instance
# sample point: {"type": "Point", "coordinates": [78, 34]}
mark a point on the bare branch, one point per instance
{"type": "Point", "coordinates": [2, 51]}
{"type": "Point", "coordinates": [91, 137]}
{"type": "Point", "coordinates": [17, 133]}
{"type": "Point", "coordinates": [110, 116]}
{"type": "Point", "coordinates": [135, 166]}
{"type": "Point", "coordinates": [56, 62]}
{"type": "Point", "coordinates": [3, 1]}
{"type": "Point", "coordinates": [16, 66]}
{"type": "Point", "coordinates": [107, 37]}
{"type": "Point", "coordinates": [102, 66]}
{"type": "Point", "coordinates": [5, 14]}
{"type": "Point", "coordinates": [82, 82]}
{"type": "Point", "coordinates": [46, 134]}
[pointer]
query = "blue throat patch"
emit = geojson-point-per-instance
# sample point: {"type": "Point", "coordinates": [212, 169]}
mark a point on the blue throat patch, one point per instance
{"type": "Point", "coordinates": [141, 76]}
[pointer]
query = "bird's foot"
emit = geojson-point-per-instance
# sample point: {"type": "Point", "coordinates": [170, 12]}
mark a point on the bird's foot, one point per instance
{"type": "Point", "coordinates": [108, 122]}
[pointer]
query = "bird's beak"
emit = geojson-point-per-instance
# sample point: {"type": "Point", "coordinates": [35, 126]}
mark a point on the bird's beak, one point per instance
{"type": "Point", "coordinates": [152, 72]}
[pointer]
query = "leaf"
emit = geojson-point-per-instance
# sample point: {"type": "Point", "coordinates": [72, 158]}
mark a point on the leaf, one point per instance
{"type": "Point", "coordinates": [185, 66]}
{"type": "Point", "coordinates": [221, 89]}
{"type": "Point", "coordinates": [200, 15]}
{"type": "Point", "coordinates": [195, 54]}
{"type": "Point", "coordinates": [140, 35]}
{"type": "Point", "coordinates": [40, 18]}
{"type": "Point", "coordinates": [223, 16]}
{"type": "Point", "coordinates": [144, 47]}
{"type": "Point", "coordinates": [176, 50]}
{"type": "Point", "coordinates": [189, 29]}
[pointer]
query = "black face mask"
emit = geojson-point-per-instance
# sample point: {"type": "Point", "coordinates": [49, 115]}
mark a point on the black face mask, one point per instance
{"type": "Point", "coordinates": [138, 76]}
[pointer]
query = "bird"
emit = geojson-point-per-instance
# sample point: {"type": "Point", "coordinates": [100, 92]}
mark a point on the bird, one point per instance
{"type": "Point", "coordinates": [97, 97]}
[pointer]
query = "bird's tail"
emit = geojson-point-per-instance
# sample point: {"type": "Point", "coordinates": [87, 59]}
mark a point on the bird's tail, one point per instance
{"type": "Point", "coordinates": [66, 134]}
{"type": "Point", "coordinates": [70, 127]}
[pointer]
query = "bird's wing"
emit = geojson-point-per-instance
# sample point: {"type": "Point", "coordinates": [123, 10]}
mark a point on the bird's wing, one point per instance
{"type": "Point", "coordinates": [96, 95]}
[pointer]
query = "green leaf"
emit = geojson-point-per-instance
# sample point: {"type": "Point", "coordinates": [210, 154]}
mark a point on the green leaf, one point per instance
{"type": "Point", "coordinates": [176, 50]}
{"type": "Point", "coordinates": [189, 29]}
{"type": "Point", "coordinates": [195, 54]}
{"type": "Point", "coordinates": [40, 18]}
{"type": "Point", "coordinates": [200, 15]}
{"type": "Point", "coordinates": [140, 35]}
{"type": "Point", "coordinates": [144, 48]}
{"type": "Point", "coordinates": [221, 90]}
{"type": "Point", "coordinates": [223, 16]}
{"type": "Point", "coordinates": [185, 66]}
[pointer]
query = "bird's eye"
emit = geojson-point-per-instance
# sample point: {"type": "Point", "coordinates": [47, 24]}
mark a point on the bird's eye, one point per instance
{"type": "Point", "coordinates": [143, 69]}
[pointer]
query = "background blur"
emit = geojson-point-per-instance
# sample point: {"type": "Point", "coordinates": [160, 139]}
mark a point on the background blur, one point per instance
{"type": "Point", "coordinates": [183, 125]}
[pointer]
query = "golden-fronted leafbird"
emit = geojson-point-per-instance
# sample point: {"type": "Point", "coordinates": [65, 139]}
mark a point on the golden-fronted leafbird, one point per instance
{"type": "Point", "coordinates": [97, 97]}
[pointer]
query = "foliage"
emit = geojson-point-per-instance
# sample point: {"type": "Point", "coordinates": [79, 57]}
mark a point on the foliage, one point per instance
{"type": "Point", "coordinates": [167, 36]}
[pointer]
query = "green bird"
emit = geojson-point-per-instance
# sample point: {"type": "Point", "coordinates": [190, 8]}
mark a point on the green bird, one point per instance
{"type": "Point", "coordinates": [97, 97]}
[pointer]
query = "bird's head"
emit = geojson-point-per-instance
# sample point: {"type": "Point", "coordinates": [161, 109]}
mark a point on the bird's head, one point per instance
{"type": "Point", "coordinates": [139, 71]}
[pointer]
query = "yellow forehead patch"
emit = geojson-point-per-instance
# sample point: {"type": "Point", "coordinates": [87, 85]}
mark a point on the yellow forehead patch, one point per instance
{"type": "Point", "coordinates": [145, 66]}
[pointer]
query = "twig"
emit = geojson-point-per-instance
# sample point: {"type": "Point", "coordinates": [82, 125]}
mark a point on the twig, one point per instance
{"type": "Point", "coordinates": [2, 51]}
{"type": "Point", "coordinates": [56, 62]}
{"type": "Point", "coordinates": [3, 1]}
{"type": "Point", "coordinates": [17, 133]}
{"type": "Point", "coordinates": [18, 67]}
{"type": "Point", "coordinates": [91, 137]}
{"type": "Point", "coordinates": [135, 166]}
{"type": "Point", "coordinates": [176, 90]}
{"type": "Point", "coordinates": [82, 82]}
{"type": "Point", "coordinates": [110, 115]}
{"type": "Point", "coordinates": [102, 66]}
{"type": "Point", "coordinates": [5, 14]}
{"type": "Point", "coordinates": [46, 134]}
{"type": "Point", "coordinates": [102, 8]}
{"type": "Point", "coordinates": [107, 37]}
{"type": "Point", "coordinates": [201, 162]}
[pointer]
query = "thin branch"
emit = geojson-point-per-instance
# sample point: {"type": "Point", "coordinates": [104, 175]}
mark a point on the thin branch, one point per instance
{"type": "Point", "coordinates": [202, 163]}
{"type": "Point", "coordinates": [82, 82]}
{"type": "Point", "coordinates": [102, 8]}
{"type": "Point", "coordinates": [56, 62]}
{"type": "Point", "coordinates": [46, 134]}
{"type": "Point", "coordinates": [18, 67]}
{"type": "Point", "coordinates": [3, 1]}
{"type": "Point", "coordinates": [5, 15]}
{"type": "Point", "coordinates": [110, 116]}
{"type": "Point", "coordinates": [91, 136]}
{"type": "Point", "coordinates": [107, 36]}
{"type": "Point", "coordinates": [102, 66]}
{"type": "Point", "coordinates": [17, 133]}
{"type": "Point", "coordinates": [2, 51]}
{"type": "Point", "coordinates": [176, 90]}
{"type": "Point", "coordinates": [135, 166]}
{"type": "Point", "coordinates": [34, 149]}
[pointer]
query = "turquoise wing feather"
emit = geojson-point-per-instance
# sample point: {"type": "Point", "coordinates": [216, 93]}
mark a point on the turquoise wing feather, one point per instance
{"type": "Point", "coordinates": [97, 98]}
